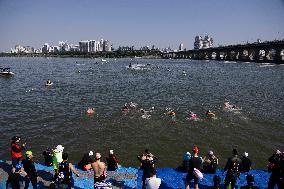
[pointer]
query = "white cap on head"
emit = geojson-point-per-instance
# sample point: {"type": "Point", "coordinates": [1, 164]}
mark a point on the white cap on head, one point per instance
{"type": "Point", "coordinates": [210, 152]}
{"type": "Point", "coordinates": [59, 148]}
{"type": "Point", "coordinates": [111, 152]}
{"type": "Point", "coordinates": [278, 152]}
{"type": "Point", "coordinates": [246, 154]}
{"type": "Point", "coordinates": [91, 153]}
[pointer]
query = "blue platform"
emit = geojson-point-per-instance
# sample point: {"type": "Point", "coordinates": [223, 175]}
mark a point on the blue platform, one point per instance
{"type": "Point", "coordinates": [170, 178]}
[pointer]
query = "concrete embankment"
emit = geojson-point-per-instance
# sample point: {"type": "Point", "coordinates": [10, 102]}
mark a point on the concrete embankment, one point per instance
{"type": "Point", "coordinates": [132, 178]}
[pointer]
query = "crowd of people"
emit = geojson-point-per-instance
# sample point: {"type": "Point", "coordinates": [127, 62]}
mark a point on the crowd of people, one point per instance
{"type": "Point", "coordinates": [193, 164]}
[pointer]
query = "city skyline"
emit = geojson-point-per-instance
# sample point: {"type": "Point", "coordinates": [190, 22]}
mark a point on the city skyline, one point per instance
{"type": "Point", "coordinates": [139, 23]}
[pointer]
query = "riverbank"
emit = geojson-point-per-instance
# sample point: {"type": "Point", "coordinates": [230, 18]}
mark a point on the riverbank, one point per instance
{"type": "Point", "coordinates": [129, 178]}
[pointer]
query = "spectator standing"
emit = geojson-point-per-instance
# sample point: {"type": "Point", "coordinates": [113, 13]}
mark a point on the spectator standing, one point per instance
{"type": "Point", "coordinates": [233, 168]}
{"type": "Point", "coordinates": [210, 163]}
{"type": "Point", "coordinates": [195, 162]}
{"type": "Point", "coordinates": [246, 163]}
{"type": "Point", "coordinates": [29, 168]}
{"type": "Point", "coordinates": [16, 151]}
{"type": "Point", "coordinates": [147, 161]}
{"type": "Point", "coordinates": [112, 161]}
{"type": "Point", "coordinates": [86, 161]}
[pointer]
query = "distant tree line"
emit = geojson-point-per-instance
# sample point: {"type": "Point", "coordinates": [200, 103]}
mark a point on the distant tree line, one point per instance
{"type": "Point", "coordinates": [112, 54]}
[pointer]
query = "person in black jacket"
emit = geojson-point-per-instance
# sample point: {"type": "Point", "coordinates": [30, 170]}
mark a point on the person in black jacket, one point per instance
{"type": "Point", "coordinates": [276, 166]}
{"type": "Point", "coordinates": [112, 161]}
{"type": "Point", "coordinates": [86, 161]}
{"type": "Point", "coordinates": [47, 155]}
{"type": "Point", "coordinates": [246, 163]}
{"type": "Point", "coordinates": [147, 161]}
{"type": "Point", "coordinates": [29, 168]}
{"type": "Point", "coordinates": [14, 178]}
{"type": "Point", "coordinates": [233, 168]}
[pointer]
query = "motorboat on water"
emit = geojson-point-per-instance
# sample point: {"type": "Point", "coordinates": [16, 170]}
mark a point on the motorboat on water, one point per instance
{"type": "Point", "coordinates": [139, 67]}
{"type": "Point", "coordinates": [104, 60]}
{"type": "Point", "coordinates": [6, 72]}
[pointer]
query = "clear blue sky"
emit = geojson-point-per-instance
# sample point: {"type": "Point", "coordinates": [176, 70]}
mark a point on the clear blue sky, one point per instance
{"type": "Point", "coordinates": [139, 22]}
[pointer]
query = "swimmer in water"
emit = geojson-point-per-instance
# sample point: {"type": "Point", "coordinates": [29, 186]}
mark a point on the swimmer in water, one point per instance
{"type": "Point", "coordinates": [192, 116]}
{"type": "Point", "coordinates": [48, 82]}
{"type": "Point", "coordinates": [210, 114]}
{"type": "Point", "coordinates": [125, 108]}
{"type": "Point", "coordinates": [90, 111]}
{"type": "Point", "coordinates": [130, 65]}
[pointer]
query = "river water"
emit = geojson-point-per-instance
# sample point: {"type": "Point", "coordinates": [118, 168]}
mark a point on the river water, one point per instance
{"type": "Point", "coordinates": [47, 116]}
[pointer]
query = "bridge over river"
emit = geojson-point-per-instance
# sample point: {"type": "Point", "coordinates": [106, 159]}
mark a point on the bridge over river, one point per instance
{"type": "Point", "coordinates": [265, 52]}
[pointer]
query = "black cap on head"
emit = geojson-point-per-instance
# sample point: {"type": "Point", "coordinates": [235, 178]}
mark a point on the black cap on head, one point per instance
{"type": "Point", "coordinates": [153, 172]}
{"type": "Point", "coordinates": [235, 152]}
{"type": "Point", "coordinates": [147, 151]}
{"type": "Point", "coordinates": [64, 156]}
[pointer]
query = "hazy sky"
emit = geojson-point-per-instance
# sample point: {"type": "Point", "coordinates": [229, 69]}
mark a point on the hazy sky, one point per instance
{"type": "Point", "coordinates": [139, 22]}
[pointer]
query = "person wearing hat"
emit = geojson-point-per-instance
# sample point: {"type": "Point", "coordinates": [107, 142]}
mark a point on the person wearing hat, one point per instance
{"type": "Point", "coordinates": [29, 168]}
{"type": "Point", "coordinates": [16, 151]}
{"type": "Point", "coordinates": [210, 163]}
{"type": "Point", "coordinates": [276, 166]}
{"type": "Point", "coordinates": [56, 159]}
{"type": "Point", "coordinates": [185, 162]}
{"type": "Point", "coordinates": [112, 161]}
{"type": "Point", "coordinates": [233, 168]}
{"type": "Point", "coordinates": [246, 163]}
{"type": "Point", "coordinates": [195, 163]}
{"type": "Point", "coordinates": [86, 161]}
{"type": "Point", "coordinates": [14, 178]}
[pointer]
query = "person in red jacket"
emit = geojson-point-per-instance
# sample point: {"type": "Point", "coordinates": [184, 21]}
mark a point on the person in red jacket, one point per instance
{"type": "Point", "coordinates": [16, 151]}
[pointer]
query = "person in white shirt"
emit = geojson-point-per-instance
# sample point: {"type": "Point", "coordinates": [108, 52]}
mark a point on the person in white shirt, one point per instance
{"type": "Point", "coordinates": [153, 182]}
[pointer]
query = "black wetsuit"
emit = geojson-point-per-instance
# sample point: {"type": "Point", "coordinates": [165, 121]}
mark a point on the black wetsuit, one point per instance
{"type": "Point", "coordinates": [112, 162]}
{"type": "Point", "coordinates": [86, 159]}
{"type": "Point", "coordinates": [65, 172]}
{"type": "Point", "coordinates": [147, 167]}
{"type": "Point", "coordinates": [277, 175]}
{"type": "Point", "coordinates": [233, 168]}
{"type": "Point", "coordinates": [211, 167]}
{"type": "Point", "coordinates": [194, 162]}
{"type": "Point", "coordinates": [246, 164]}
{"type": "Point", "coordinates": [29, 168]}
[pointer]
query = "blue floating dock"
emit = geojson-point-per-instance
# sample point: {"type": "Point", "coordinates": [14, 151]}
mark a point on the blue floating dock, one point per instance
{"type": "Point", "coordinates": [131, 178]}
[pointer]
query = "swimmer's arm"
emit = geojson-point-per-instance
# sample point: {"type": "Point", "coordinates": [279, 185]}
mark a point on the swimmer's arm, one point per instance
{"type": "Point", "coordinates": [73, 170]}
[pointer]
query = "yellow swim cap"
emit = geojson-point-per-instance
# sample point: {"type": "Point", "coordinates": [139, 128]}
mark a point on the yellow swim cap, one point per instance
{"type": "Point", "coordinates": [29, 153]}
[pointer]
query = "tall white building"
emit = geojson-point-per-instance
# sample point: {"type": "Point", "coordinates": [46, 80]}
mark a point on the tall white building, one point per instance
{"type": "Point", "coordinates": [181, 47]}
{"type": "Point", "coordinates": [95, 46]}
{"type": "Point", "coordinates": [201, 43]}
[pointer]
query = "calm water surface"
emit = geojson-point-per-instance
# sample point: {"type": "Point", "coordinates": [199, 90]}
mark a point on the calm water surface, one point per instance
{"type": "Point", "coordinates": [47, 116]}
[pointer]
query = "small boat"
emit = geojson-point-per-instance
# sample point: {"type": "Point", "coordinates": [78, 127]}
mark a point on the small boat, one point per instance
{"type": "Point", "coordinates": [6, 72]}
{"type": "Point", "coordinates": [104, 60]}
